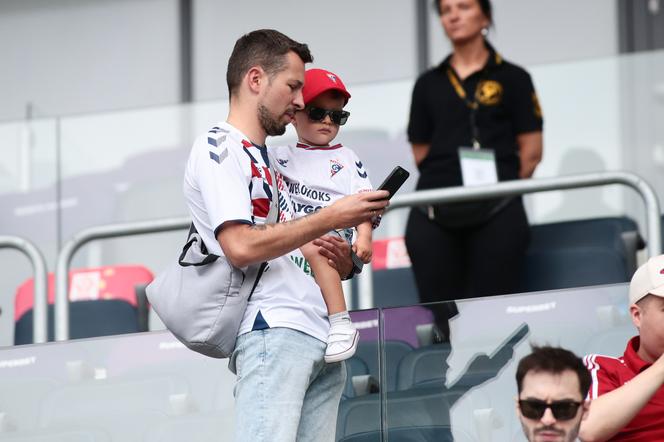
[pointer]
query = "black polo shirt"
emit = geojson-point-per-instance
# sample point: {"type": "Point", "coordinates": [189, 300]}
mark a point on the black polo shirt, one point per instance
{"type": "Point", "coordinates": [507, 106]}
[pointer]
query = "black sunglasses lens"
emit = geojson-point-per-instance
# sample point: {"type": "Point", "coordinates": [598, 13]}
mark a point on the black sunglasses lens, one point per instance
{"type": "Point", "coordinates": [316, 113]}
{"type": "Point", "coordinates": [562, 410]}
{"type": "Point", "coordinates": [341, 117]}
{"type": "Point", "coordinates": [337, 117]}
{"type": "Point", "coordinates": [532, 409]}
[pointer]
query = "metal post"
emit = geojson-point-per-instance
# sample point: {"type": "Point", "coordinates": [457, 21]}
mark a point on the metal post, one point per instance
{"type": "Point", "coordinates": [365, 285]}
{"type": "Point", "coordinates": [82, 238]}
{"type": "Point", "coordinates": [40, 302]}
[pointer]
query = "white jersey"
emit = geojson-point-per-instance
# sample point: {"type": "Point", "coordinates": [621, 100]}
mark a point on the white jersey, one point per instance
{"type": "Point", "coordinates": [318, 176]}
{"type": "Point", "coordinates": [228, 179]}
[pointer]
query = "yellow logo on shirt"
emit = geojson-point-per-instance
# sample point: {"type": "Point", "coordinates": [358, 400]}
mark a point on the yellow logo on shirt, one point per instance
{"type": "Point", "coordinates": [489, 93]}
{"type": "Point", "coordinates": [537, 109]}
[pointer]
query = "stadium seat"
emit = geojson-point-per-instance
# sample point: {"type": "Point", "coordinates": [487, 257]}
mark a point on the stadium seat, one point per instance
{"type": "Point", "coordinates": [103, 301]}
{"type": "Point", "coordinates": [18, 398]}
{"type": "Point", "coordinates": [419, 434]}
{"type": "Point", "coordinates": [123, 406]}
{"type": "Point", "coordinates": [368, 352]}
{"type": "Point", "coordinates": [580, 253]}
{"type": "Point", "coordinates": [412, 409]}
{"type": "Point", "coordinates": [572, 267]}
{"type": "Point", "coordinates": [394, 287]}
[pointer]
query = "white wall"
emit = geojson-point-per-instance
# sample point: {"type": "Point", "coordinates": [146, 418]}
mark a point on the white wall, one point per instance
{"type": "Point", "coordinates": [362, 41]}
{"type": "Point", "coordinates": [73, 56]}
{"type": "Point", "coordinates": [530, 32]}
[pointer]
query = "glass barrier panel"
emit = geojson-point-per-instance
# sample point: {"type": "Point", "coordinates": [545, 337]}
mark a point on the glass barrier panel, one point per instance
{"type": "Point", "coordinates": [143, 387]}
{"type": "Point", "coordinates": [462, 387]}
{"type": "Point", "coordinates": [360, 407]}
{"type": "Point", "coordinates": [149, 387]}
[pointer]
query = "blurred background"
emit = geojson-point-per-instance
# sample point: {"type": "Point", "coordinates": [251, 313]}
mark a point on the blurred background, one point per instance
{"type": "Point", "coordinates": [100, 101]}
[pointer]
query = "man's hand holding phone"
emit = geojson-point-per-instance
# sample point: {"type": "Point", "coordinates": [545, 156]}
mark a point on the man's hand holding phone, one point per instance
{"type": "Point", "coordinates": [352, 210]}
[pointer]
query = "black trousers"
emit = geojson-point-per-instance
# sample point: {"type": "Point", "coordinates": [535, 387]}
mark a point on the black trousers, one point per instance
{"type": "Point", "coordinates": [470, 261]}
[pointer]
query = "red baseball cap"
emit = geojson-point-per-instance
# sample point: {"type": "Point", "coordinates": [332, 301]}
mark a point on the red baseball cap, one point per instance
{"type": "Point", "coordinates": [317, 81]}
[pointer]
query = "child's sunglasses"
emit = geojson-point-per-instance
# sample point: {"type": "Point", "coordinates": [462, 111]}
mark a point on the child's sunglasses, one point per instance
{"type": "Point", "coordinates": [535, 409]}
{"type": "Point", "coordinates": [338, 117]}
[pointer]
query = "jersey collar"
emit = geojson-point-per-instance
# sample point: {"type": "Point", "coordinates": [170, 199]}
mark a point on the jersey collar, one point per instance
{"type": "Point", "coordinates": [314, 147]}
{"type": "Point", "coordinates": [632, 359]}
{"type": "Point", "coordinates": [494, 60]}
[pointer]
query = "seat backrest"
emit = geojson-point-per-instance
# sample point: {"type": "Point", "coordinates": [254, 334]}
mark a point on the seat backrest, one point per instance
{"type": "Point", "coordinates": [572, 267]}
{"type": "Point", "coordinates": [103, 301]}
{"type": "Point", "coordinates": [367, 352]}
{"type": "Point", "coordinates": [425, 366]}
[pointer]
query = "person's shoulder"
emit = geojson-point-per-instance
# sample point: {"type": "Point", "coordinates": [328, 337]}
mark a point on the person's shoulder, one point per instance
{"type": "Point", "coordinates": [513, 70]}
{"type": "Point", "coordinates": [598, 361]}
{"type": "Point", "coordinates": [431, 74]}
{"type": "Point", "coordinates": [220, 137]}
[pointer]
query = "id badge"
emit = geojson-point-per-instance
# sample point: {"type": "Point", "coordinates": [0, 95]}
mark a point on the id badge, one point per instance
{"type": "Point", "coordinates": [478, 166]}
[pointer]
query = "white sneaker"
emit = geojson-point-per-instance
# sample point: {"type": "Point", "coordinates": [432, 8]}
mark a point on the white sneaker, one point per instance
{"type": "Point", "coordinates": [341, 342]}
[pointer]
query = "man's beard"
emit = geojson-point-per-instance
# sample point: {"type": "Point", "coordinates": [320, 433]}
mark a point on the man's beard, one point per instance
{"type": "Point", "coordinates": [271, 125]}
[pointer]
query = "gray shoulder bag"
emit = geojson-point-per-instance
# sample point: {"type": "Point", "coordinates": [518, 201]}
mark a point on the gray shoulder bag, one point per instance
{"type": "Point", "coordinates": [201, 297]}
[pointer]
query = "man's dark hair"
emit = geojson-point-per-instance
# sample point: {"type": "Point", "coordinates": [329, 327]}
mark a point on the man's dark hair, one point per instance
{"type": "Point", "coordinates": [553, 360]}
{"type": "Point", "coordinates": [266, 48]}
{"type": "Point", "coordinates": [485, 5]}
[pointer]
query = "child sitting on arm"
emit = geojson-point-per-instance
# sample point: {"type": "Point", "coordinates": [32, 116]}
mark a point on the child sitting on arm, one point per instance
{"type": "Point", "coordinates": [318, 173]}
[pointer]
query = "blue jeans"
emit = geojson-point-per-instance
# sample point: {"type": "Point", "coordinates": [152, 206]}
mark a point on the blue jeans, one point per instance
{"type": "Point", "coordinates": [285, 391]}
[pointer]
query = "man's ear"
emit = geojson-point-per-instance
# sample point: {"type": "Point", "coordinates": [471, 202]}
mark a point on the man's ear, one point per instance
{"type": "Point", "coordinates": [255, 79]}
{"type": "Point", "coordinates": [635, 312]}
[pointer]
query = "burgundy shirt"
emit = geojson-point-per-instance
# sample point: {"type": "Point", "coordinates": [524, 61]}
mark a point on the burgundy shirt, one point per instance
{"type": "Point", "coordinates": [610, 373]}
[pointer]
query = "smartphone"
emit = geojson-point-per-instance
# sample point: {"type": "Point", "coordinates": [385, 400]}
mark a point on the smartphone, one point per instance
{"type": "Point", "coordinates": [394, 180]}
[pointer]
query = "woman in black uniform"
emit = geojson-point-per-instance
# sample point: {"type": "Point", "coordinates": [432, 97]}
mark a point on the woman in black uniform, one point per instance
{"type": "Point", "coordinates": [478, 101]}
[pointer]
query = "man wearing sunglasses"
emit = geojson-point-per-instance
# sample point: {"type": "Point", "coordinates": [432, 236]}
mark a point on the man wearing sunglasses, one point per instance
{"type": "Point", "coordinates": [552, 384]}
{"type": "Point", "coordinates": [628, 392]}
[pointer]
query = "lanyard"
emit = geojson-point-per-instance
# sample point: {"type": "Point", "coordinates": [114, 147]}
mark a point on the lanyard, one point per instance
{"type": "Point", "coordinates": [472, 105]}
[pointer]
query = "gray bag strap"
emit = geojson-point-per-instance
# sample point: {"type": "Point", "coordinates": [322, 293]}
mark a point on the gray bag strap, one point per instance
{"type": "Point", "coordinates": [254, 272]}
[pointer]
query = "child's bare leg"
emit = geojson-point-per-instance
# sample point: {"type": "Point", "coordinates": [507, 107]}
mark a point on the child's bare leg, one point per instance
{"type": "Point", "coordinates": [327, 279]}
{"type": "Point", "coordinates": [343, 337]}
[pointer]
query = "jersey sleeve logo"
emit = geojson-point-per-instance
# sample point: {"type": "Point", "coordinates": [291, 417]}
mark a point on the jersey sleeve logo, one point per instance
{"type": "Point", "coordinates": [216, 136]}
{"type": "Point", "coordinates": [335, 167]}
{"type": "Point", "coordinates": [282, 162]}
{"type": "Point", "coordinates": [360, 169]}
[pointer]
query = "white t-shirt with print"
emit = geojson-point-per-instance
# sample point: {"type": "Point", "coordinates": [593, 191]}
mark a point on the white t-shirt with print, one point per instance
{"type": "Point", "coordinates": [318, 176]}
{"type": "Point", "coordinates": [228, 179]}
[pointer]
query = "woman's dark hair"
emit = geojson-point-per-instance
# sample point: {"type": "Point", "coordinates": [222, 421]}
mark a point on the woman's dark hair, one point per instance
{"type": "Point", "coordinates": [485, 6]}
{"type": "Point", "coordinates": [266, 48]}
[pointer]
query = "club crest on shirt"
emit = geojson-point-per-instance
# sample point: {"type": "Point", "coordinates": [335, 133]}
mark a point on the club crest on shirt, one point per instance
{"type": "Point", "coordinates": [489, 92]}
{"type": "Point", "coordinates": [335, 166]}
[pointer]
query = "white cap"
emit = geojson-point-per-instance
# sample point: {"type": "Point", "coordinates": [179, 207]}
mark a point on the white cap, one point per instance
{"type": "Point", "coordinates": [648, 280]}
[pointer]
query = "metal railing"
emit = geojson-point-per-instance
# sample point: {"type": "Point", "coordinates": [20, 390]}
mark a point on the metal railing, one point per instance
{"type": "Point", "coordinates": [434, 196]}
{"type": "Point", "coordinates": [82, 238]}
{"type": "Point", "coordinates": [40, 292]}
{"type": "Point", "coordinates": [520, 187]}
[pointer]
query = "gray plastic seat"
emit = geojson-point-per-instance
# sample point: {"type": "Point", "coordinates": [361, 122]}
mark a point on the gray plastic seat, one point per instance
{"type": "Point", "coordinates": [580, 253]}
